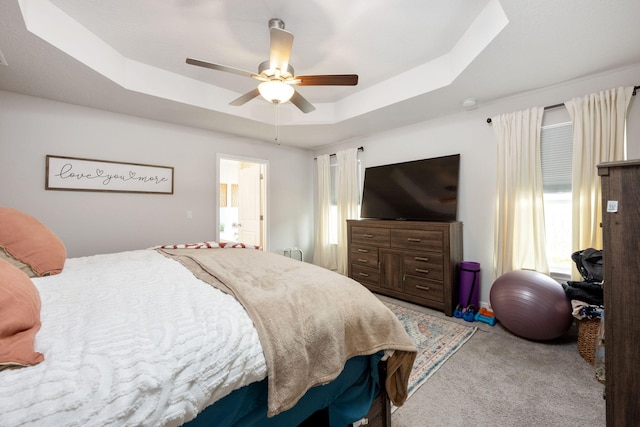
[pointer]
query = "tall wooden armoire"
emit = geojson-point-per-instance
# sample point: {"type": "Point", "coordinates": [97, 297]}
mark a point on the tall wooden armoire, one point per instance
{"type": "Point", "coordinates": [621, 247]}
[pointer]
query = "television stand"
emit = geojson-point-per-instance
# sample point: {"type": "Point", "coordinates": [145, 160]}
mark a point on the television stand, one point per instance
{"type": "Point", "coordinates": [415, 261]}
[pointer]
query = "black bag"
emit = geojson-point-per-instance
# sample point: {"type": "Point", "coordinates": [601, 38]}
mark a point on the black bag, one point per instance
{"type": "Point", "coordinates": [590, 264]}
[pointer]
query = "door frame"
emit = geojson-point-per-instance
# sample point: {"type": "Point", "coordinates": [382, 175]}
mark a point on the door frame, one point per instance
{"type": "Point", "coordinates": [264, 190]}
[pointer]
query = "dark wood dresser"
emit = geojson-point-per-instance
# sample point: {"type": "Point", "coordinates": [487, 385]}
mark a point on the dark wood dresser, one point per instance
{"type": "Point", "coordinates": [621, 246]}
{"type": "Point", "coordinates": [414, 261]}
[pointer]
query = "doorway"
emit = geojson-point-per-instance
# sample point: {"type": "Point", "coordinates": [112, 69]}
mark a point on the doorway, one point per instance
{"type": "Point", "coordinates": [242, 200]}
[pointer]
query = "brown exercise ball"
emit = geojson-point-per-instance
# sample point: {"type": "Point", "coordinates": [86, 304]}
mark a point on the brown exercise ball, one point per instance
{"type": "Point", "coordinates": [531, 305]}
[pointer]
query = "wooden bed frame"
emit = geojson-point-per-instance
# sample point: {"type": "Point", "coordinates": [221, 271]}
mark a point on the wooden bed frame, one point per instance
{"type": "Point", "coordinates": [380, 413]}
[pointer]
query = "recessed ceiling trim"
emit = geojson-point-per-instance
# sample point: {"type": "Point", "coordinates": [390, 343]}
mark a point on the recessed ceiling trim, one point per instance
{"type": "Point", "coordinates": [53, 25]}
{"type": "Point", "coordinates": [435, 74]}
{"type": "Point", "coordinates": [486, 27]}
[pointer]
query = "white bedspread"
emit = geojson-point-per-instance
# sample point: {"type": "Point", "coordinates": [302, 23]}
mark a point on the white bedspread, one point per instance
{"type": "Point", "coordinates": [130, 339]}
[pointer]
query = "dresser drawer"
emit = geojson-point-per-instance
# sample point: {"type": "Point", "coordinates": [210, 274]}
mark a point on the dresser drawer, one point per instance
{"type": "Point", "coordinates": [424, 288]}
{"type": "Point", "coordinates": [364, 255]}
{"type": "Point", "coordinates": [420, 240]}
{"type": "Point", "coordinates": [373, 236]}
{"type": "Point", "coordinates": [365, 274]}
{"type": "Point", "coordinates": [426, 265]}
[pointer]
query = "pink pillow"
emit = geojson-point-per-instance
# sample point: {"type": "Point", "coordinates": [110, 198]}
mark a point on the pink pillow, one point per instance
{"type": "Point", "coordinates": [19, 317]}
{"type": "Point", "coordinates": [29, 244]}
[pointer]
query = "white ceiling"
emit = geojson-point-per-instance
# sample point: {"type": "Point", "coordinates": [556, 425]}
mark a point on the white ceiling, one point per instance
{"type": "Point", "coordinates": [416, 59]}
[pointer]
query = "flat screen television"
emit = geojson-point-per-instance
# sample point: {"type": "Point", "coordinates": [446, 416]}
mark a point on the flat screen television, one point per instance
{"type": "Point", "coordinates": [423, 190]}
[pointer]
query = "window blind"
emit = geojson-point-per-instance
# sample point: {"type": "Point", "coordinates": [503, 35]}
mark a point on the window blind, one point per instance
{"type": "Point", "coordinates": [556, 145]}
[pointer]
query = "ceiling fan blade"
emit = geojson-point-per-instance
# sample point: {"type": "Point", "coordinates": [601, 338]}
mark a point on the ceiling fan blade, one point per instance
{"type": "Point", "coordinates": [220, 67]}
{"type": "Point", "coordinates": [245, 98]}
{"type": "Point", "coordinates": [328, 80]}
{"type": "Point", "coordinates": [280, 51]}
{"type": "Point", "coordinates": [300, 102]}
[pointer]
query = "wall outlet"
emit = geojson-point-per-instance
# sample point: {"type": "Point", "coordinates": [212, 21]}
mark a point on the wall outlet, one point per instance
{"type": "Point", "coordinates": [189, 215]}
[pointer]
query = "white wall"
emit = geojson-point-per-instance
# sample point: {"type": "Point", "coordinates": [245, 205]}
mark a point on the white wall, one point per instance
{"type": "Point", "coordinates": [91, 222]}
{"type": "Point", "coordinates": [469, 134]}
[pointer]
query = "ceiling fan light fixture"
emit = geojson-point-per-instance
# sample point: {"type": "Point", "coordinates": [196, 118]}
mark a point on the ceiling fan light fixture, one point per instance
{"type": "Point", "coordinates": [277, 75]}
{"type": "Point", "coordinates": [276, 91]}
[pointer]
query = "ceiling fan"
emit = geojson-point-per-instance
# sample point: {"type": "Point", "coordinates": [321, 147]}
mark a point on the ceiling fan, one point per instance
{"type": "Point", "coordinates": [277, 75]}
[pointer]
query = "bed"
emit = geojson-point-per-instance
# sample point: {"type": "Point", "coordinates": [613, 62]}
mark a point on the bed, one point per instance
{"type": "Point", "coordinates": [217, 334]}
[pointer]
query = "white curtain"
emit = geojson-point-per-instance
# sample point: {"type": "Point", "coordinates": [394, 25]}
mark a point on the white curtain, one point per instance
{"type": "Point", "coordinates": [519, 241]}
{"type": "Point", "coordinates": [323, 254]}
{"type": "Point", "coordinates": [598, 136]}
{"type": "Point", "coordinates": [347, 201]}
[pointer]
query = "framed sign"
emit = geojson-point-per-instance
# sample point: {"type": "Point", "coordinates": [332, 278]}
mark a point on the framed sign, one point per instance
{"type": "Point", "coordinates": [76, 174]}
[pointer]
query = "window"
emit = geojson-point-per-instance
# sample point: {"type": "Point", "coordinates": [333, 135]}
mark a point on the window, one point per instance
{"type": "Point", "coordinates": [333, 214]}
{"type": "Point", "coordinates": [556, 144]}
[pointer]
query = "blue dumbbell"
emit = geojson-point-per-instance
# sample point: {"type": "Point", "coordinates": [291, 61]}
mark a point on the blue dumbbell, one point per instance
{"type": "Point", "coordinates": [469, 314]}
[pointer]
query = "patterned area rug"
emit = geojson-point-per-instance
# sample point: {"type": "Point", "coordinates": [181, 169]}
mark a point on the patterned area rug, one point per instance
{"type": "Point", "coordinates": [436, 339]}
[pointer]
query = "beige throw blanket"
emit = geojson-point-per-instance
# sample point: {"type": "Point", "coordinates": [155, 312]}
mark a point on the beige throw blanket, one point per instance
{"type": "Point", "coordinates": [310, 320]}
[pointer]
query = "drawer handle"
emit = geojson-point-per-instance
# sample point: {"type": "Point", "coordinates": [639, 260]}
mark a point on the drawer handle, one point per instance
{"type": "Point", "coordinates": [420, 258]}
{"type": "Point", "coordinates": [363, 274]}
{"type": "Point", "coordinates": [421, 270]}
{"type": "Point", "coordinates": [422, 288]}
{"type": "Point", "coordinates": [364, 251]}
{"type": "Point", "coordinates": [363, 260]}
{"type": "Point", "coordinates": [368, 236]}
{"type": "Point", "coordinates": [413, 240]}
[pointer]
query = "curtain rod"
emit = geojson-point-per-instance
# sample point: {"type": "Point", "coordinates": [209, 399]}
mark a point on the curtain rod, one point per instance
{"type": "Point", "coordinates": [333, 154]}
{"type": "Point", "coordinates": [550, 107]}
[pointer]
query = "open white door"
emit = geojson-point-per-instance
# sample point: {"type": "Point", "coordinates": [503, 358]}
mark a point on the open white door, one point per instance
{"type": "Point", "coordinates": [249, 204]}
{"type": "Point", "coordinates": [242, 200]}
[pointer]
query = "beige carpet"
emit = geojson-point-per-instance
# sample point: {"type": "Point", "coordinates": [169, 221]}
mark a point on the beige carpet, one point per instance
{"type": "Point", "coordinates": [498, 379]}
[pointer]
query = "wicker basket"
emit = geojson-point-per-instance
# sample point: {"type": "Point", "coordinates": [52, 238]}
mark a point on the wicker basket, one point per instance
{"type": "Point", "coordinates": [587, 334]}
